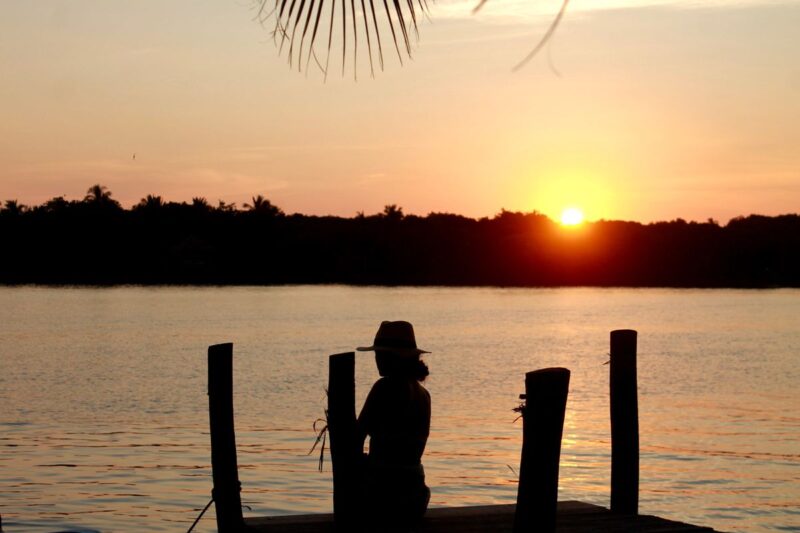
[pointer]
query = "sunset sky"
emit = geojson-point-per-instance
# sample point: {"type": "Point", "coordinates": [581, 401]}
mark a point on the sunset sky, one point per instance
{"type": "Point", "coordinates": [638, 110]}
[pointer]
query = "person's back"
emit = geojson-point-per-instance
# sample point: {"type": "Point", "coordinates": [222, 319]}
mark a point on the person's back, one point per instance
{"type": "Point", "coordinates": [396, 417]}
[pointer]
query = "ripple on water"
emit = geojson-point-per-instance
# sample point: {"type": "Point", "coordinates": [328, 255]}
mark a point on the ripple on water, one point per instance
{"type": "Point", "coordinates": [104, 398]}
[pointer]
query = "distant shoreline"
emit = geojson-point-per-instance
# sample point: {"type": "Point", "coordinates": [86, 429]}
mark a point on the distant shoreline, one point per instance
{"type": "Point", "coordinates": [46, 285]}
{"type": "Point", "coordinates": [95, 242]}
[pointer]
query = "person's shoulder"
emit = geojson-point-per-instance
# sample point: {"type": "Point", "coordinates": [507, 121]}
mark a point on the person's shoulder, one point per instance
{"type": "Point", "coordinates": [382, 381]}
{"type": "Point", "coordinates": [381, 385]}
{"type": "Point", "coordinates": [421, 388]}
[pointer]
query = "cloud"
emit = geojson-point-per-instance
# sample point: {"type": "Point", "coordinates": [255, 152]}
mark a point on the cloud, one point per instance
{"type": "Point", "coordinates": [527, 11]}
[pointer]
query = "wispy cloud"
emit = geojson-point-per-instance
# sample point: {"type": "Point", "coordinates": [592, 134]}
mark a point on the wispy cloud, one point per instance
{"type": "Point", "coordinates": [527, 10]}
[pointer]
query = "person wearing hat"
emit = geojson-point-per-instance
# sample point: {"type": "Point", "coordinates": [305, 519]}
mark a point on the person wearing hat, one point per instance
{"type": "Point", "coordinates": [397, 417]}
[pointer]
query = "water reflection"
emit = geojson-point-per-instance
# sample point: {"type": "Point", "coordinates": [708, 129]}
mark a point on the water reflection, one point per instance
{"type": "Point", "coordinates": [104, 423]}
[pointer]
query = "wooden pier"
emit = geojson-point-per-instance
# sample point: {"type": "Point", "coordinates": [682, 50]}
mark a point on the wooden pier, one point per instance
{"type": "Point", "coordinates": [572, 517]}
{"type": "Point", "coordinates": [537, 509]}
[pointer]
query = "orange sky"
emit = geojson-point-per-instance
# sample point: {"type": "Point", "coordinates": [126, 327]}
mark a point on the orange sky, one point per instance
{"type": "Point", "coordinates": [650, 110]}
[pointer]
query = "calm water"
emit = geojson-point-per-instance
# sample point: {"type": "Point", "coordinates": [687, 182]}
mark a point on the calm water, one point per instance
{"type": "Point", "coordinates": [104, 425]}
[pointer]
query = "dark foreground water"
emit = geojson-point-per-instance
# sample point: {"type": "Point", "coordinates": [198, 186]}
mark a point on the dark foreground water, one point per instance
{"type": "Point", "coordinates": [104, 424]}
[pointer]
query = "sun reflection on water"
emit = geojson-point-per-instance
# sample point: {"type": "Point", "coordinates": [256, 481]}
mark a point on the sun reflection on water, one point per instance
{"type": "Point", "coordinates": [132, 451]}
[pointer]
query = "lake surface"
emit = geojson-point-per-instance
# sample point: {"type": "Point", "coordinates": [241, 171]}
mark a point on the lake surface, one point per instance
{"type": "Point", "coordinates": [104, 421]}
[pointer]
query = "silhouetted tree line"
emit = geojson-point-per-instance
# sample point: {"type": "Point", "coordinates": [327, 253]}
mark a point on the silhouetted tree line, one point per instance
{"type": "Point", "coordinates": [96, 241]}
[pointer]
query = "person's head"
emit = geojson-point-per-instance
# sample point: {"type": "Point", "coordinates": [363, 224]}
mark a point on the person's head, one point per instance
{"type": "Point", "coordinates": [396, 352]}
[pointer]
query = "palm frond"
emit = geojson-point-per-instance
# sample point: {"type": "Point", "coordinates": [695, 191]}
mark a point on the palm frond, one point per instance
{"type": "Point", "coordinates": [391, 26]}
{"type": "Point", "coordinates": [402, 24]}
{"type": "Point", "coordinates": [545, 38]}
{"type": "Point", "coordinates": [344, 34]}
{"type": "Point", "coordinates": [413, 17]}
{"type": "Point", "coordinates": [355, 40]}
{"type": "Point", "coordinates": [330, 38]}
{"type": "Point", "coordinates": [296, 27]}
{"type": "Point", "coordinates": [285, 26]}
{"type": "Point", "coordinates": [377, 32]}
{"type": "Point", "coordinates": [366, 32]}
{"type": "Point", "coordinates": [292, 18]}
{"type": "Point", "coordinates": [314, 36]}
{"type": "Point", "coordinates": [303, 37]}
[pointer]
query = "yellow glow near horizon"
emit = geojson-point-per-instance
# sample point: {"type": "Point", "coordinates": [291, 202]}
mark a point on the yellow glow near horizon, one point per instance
{"type": "Point", "coordinates": [572, 216]}
{"type": "Point", "coordinates": [587, 190]}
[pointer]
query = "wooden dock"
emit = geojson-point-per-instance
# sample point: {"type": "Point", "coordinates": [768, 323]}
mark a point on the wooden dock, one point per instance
{"type": "Point", "coordinates": [537, 509]}
{"type": "Point", "coordinates": [572, 517]}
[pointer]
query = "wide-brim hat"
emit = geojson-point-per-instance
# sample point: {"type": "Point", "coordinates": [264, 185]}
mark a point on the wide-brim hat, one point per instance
{"type": "Point", "coordinates": [396, 337]}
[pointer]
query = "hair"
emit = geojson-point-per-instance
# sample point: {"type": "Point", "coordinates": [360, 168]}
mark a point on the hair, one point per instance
{"type": "Point", "coordinates": [420, 370]}
{"type": "Point", "coordinates": [406, 367]}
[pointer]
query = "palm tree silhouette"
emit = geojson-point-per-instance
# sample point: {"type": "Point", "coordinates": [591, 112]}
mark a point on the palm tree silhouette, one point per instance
{"type": "Point", "coordinates": [99, 196]}
{"type": "Point", "coordinates": [150, 203]}
{"type": "Point", "coordinates": [200, 203]}
{"type": "Point", "coordinates": [13, 208]}
{"type": "Point", "coordinates": [263, 206]}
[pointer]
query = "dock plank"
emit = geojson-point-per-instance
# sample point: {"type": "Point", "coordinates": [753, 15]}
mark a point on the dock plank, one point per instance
{"type": "Point", "coordinates": [573, 517]}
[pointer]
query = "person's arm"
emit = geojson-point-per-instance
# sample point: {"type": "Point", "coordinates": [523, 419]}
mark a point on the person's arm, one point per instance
{"type": "Point", "coordinates": [366, 418]}
{"type": "Point", "coordinates": [426, 421]}
{"type": "Point", "coordinates": [427, 413]}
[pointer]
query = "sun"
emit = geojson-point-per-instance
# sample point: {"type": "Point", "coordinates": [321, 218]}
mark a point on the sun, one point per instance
{"type": "Point", "coordinates": [571, 216]}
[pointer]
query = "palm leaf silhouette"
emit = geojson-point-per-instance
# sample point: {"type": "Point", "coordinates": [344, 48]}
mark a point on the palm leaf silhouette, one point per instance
{"type": "Point", "coordinates": [293, 20]}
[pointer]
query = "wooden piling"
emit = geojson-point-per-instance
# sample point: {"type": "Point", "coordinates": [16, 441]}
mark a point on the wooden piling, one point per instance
{"type": "Point", "coordinates": [224, 469]}
{"type": "Point", "coordinates": [624, 423]}
{"type": "Point", "coordinates": [546, 393]}
{"type": "Point", "coordinates": [345, 450]}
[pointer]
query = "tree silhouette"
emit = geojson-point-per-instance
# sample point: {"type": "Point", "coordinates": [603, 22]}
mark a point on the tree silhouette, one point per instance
{"type": "Point", "coordinates": [262, 206]}
{"type": "Point", "coordinates": [14, 208]}
{"type": "Point", "coordinates": [150, 203]}
{"type": "Point", "coordinates": [392, 212]}
{"type": "Point", "coordinates": [56, 205]}
{"type": "Point", "coordinates": [200, 203]}
{"type": "Point", "coordinates": [99, 196]}
{"type": "Point", "coordinates": [226, 208]}
{"type": "Point", "coordinates": [195, 243]}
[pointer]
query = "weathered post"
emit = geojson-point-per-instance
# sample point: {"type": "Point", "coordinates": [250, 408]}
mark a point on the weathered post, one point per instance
{"type": "Point", "coordinates": [344, 440]}
{"type": "Point", "coordinates": [546, 393]}
{"type": "Point", "coordinates": [624, 423]}
{"type": "Point", "coordinates": [224, 470]}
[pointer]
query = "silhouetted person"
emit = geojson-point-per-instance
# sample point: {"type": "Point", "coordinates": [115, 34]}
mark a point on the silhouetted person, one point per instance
{"type": "Point", "coordinates": [397, 417]}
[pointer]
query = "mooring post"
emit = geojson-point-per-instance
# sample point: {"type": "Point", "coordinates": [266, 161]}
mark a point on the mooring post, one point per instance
{"type": "Point", "coordinates": [546, 393]}
{"type": "Point", "coordinates": [344, 440]}
{"type": "Point", "coordinates": [624, 423]}
{"type": "Point", "coordinates": [224, 469]}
